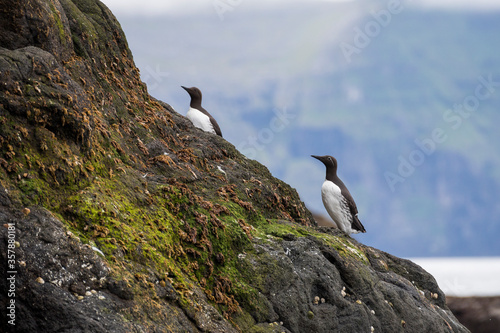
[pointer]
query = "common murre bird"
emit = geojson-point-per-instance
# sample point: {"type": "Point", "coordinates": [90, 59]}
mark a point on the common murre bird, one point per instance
{"type": "Point", "coordinates": [198, 115]}
{"type": "Point", "coordinates": [337, 200]}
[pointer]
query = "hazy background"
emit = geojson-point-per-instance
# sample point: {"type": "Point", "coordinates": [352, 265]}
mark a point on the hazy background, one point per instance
{"type": "Point", "coordinates": [364, 81]}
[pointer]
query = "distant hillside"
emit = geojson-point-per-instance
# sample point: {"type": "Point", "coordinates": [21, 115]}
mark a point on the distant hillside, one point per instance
{"type": "Point", "coordinates": [369, 112]}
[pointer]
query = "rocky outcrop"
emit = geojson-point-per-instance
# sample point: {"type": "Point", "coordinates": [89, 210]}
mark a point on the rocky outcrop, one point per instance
{"type": "Point", "coordinates": [120, 216]}
{"type": "Point", "coordinates": [479, 314]}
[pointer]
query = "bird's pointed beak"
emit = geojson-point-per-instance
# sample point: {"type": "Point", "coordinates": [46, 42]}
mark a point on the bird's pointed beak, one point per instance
{"type": "Point", "coordinates": [189, 91]}
{"type": "Point", "coordinates": [320, 158]}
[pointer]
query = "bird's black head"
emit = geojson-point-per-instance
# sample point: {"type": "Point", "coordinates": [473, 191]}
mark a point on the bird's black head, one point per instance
{"type": "Point", "coordinates": [331, 165]}
{"type": "Point", "coordinates": [193, 92]}
{"type": "Point", "coordinates": [327, 160]}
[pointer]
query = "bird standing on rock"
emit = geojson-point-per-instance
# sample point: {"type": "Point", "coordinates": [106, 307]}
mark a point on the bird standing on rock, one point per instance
{"type": "Point", "coordinates": [198, 115]}
{"type": "Point", "coordinates": [337, 200]}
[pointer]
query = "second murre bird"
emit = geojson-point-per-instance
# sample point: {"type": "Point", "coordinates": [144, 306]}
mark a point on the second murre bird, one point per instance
{"type": "Point", "coordinates": [198, 115]}
{"type": "Point", "coordinates": [337, 200]}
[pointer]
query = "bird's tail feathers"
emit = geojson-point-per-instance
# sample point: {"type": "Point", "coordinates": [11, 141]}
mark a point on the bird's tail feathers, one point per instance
{"type": "Point", "coordinates": [357, 225]}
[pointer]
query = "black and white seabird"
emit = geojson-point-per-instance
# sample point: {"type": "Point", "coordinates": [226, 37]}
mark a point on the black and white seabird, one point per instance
{"type": "Point", "coordinates": [337, 200]}
{"type": "Point", "coordinates": [198, 115]}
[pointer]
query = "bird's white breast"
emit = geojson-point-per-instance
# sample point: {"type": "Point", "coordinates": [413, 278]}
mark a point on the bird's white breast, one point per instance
{"type": "Point", "coordinates": [335, 205]}
{"type": "Point", "coordinates": [200, 120]}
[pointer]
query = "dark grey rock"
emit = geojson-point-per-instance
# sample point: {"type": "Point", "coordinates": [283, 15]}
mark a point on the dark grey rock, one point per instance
{"type": "Point", "coordinates": [301, 270]}
{"type": "Point", "coordinates": [479, 314]}
{"type": "Point", "coordinates": [120, 289]}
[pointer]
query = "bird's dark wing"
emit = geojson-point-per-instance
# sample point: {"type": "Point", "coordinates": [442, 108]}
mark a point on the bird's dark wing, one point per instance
{"type": "Point", "coordinates": [216, 126]}
{"type": "Point", "coordinates": [356, 223]}
{"type": "Point", "coordinates": [213, 121]}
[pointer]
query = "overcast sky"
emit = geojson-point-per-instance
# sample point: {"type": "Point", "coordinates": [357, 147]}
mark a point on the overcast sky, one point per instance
{"type": "Point", "coordinates": [155, 7]}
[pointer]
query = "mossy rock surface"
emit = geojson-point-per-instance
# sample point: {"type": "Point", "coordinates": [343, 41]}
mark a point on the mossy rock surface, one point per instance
{"type": "Point", "coordinates": [138, 222]}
